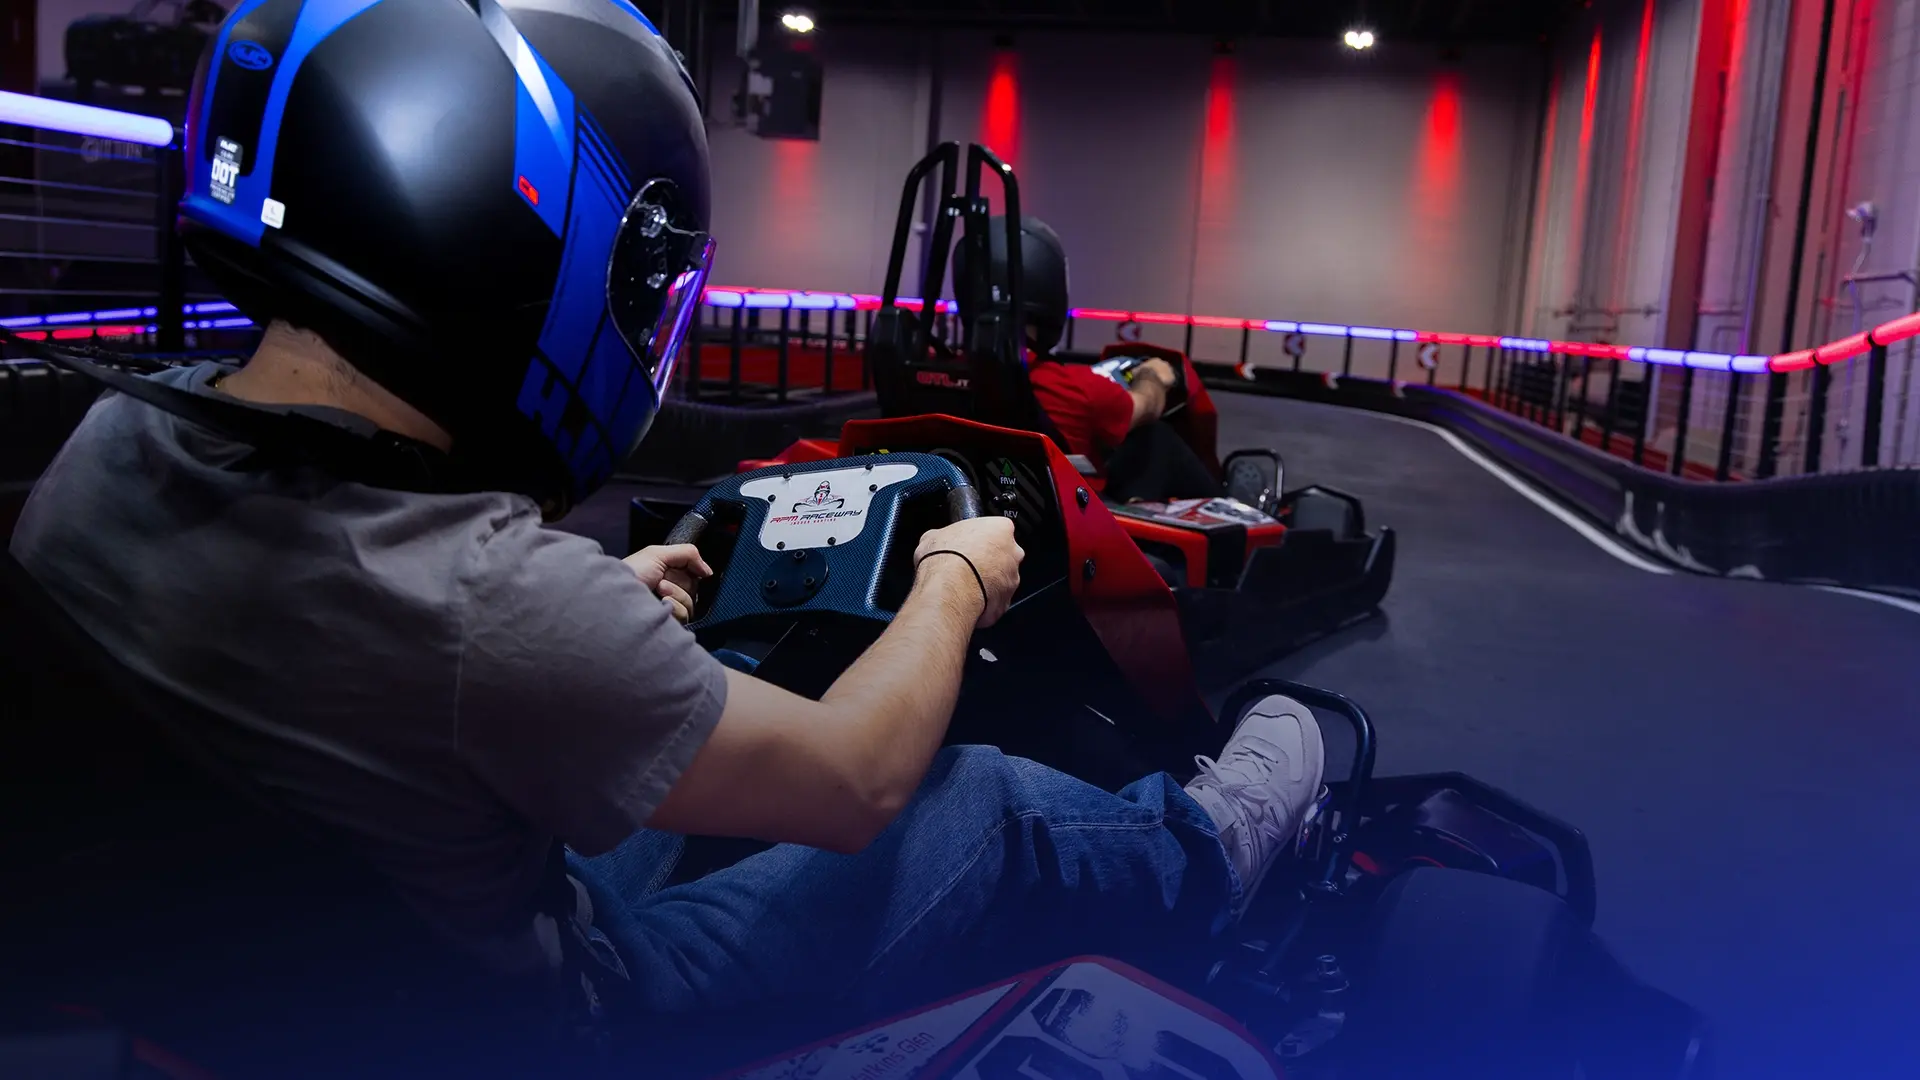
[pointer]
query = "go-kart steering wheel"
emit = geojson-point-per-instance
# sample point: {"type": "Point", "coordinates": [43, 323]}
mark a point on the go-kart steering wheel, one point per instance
{"type": "Point", "coordinates": [814, 537]}
{"type": "Point", "coordinates": [1124, 369]}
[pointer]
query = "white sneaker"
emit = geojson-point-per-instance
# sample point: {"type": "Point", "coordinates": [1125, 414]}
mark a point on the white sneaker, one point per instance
{"type": "Point", "coordinates": [1261, 788]}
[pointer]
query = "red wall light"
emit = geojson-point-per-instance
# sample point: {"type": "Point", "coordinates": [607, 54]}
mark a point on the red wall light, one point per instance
{"type": "Point", "coordinates": [1000, 118]}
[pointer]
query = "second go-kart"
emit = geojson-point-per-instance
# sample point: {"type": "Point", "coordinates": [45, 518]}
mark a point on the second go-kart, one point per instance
{"type": "Point", "coordinates": [1431, 926]}
{"type": "Point", "coordinates": [1254, 570]}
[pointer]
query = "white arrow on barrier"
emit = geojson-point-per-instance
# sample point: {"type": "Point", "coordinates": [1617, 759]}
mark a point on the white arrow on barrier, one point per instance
{"type": "Point", "coordinates": [1430, 355]}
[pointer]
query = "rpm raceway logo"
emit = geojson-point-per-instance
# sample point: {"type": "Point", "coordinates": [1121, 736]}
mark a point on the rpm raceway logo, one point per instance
{"type": "Point", "coordinates": [822, 505]}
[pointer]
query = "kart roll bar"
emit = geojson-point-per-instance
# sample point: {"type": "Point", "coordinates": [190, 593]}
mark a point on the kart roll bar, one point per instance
{"type": "Point", "coordinates": [977, 224]}
{"type": "Point", "coordinates": [973, 209]}
{"type": "Point", "coordinates": [947, 154]}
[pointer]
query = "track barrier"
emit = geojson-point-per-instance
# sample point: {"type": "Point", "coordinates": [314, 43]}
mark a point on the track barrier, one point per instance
{"type": "Point", "coordinates": [767, 346]}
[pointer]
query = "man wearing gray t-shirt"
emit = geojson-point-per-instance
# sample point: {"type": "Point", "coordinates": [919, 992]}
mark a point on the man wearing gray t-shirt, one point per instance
{"type": "Point", "coordinates": [473, 700]}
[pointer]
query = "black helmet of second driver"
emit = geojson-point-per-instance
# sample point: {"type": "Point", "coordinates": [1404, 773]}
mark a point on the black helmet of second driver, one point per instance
{"type": "Point", "coordinates": [1043, 279]}
{"type": "Point", "coordinates": [496, 209]}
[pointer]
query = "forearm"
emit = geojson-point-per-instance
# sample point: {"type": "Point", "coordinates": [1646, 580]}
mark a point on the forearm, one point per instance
{"type": "Point", "coordinates": [896, 700]}
{"type": "Point", "coordinates": [1149, 401]}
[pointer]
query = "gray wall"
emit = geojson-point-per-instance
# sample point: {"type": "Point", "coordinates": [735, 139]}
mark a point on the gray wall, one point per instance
{"type": "Point", "coordinates": [1872, 145]}
{"type": "Point", "coordinates": [1292, 180]}
{"type": "Point", "coordinates": [1604, 250]}
{"type": "Point", "coordinates": [1603, 243]}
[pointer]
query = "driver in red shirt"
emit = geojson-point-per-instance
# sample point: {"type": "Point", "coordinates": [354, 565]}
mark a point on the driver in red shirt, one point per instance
{"type": "Point", "coordinates": [1119, 428]}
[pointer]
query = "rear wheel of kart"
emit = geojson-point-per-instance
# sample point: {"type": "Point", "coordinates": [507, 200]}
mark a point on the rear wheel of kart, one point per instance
{"type": "Point", "coordinates": [1317, 510]}
{"type": "Point", "coordinates": [1463, 980]}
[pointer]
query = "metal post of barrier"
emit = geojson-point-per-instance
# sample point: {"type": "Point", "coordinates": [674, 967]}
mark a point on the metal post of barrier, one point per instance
{"type": "Point", "coordinates": [733, 361]}
{"type": "Point", "coordinates": [1070, 323]}
{"type": "Point", "coordinates": [780, 379]}
{"type": "Point", "coordinates": [826, 365]}
{"type": "Point", "coordinates": [806, 329]}
{"type": "Point", "coordinates": [866, 373]}
{"type": "Point", "coordinates": [1466, 357]}
{"type": "Point", "coordinates": [1346, 358]}
{"type": "Point", "coordinates": [1647, 388]}
{"type": "Point", "coordinates": [1188, 349]}
{"type": "Point", "coordinates": [1466, 367]}
{"type": "Point", "coordinates": [1612, 419]}
{"type": "Point", "coordinates": [1817, 417]}
{"type": "Point", "coordinates": [1876, 404]}
{"type": "Point", "coordinates": [1580, 410]}
{"type": "Point", "coordinates": [1562, 382]}
{"type": "Point", "coordinates": [1503, 383]}
{"type": "Point", "coordinates": [1246, 343]}
{"type": "Point", "coordinates": [1486, 385]}
{"type": "Point", "coordinates": [1723, 468]}
{"type": "Point", "coordinates": [1678, 465]}
{"type": "Point", "coordinates": [170, 177]}
{"type": "Point", "coordinates": [1393, 359]}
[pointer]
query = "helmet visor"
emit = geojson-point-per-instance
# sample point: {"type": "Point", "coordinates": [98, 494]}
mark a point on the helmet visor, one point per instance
{"type": "Point", "coordinates": [655, 279]}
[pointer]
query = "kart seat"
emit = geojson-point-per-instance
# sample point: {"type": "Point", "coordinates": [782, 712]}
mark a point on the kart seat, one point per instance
{"type": "Point", "coordinates": [989, 385]}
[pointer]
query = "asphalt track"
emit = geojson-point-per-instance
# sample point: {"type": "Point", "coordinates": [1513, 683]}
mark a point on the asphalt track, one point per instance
{"type": "Point", "coordinates": [1744, 757]}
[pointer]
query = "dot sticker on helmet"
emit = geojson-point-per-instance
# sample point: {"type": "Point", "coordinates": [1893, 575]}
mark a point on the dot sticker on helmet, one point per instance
{"type": "Point", "coordinates": [226, 169]}
{"type": "Point", "coordinates": [273, 213]}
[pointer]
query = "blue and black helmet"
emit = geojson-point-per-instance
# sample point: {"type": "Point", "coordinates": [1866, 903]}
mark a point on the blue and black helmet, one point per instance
{"type": "Point", "coordinates": [496, 209]}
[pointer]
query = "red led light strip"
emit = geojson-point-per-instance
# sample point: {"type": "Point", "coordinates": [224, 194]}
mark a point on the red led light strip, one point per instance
{"type": "Point", "coordinates": [80, 325]}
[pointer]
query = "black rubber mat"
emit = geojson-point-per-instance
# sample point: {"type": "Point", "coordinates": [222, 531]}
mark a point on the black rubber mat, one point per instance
{"type": "Point", "coordinates": [1745, 757]}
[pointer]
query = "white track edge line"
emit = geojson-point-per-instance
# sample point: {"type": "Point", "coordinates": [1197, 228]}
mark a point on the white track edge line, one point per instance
{"type": "Point", "coordinates": [1527, 491]}
{"type": "Point", "coordinates": [1601, 540]}
{"type": "Point", "coordinates": [1900, 602]}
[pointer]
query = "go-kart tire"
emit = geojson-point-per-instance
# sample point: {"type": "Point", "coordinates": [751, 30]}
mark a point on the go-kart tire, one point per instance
{"type": "Point", "coordinates": [1463, 979]}
{"type": "Point", "coordinates": [1314, 510]}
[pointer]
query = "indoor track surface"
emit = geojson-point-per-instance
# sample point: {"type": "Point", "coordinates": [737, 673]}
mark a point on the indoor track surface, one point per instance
{"type": "Point", "coordinates": [1744, 757]}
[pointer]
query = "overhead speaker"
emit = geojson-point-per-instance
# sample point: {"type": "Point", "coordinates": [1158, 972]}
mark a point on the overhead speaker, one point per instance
{"type": "Point", "coordinates": [781, 95]}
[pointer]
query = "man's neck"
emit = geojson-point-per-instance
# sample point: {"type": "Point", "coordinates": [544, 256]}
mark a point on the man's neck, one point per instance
{"type": "Point", "coordinates": [295, 367]}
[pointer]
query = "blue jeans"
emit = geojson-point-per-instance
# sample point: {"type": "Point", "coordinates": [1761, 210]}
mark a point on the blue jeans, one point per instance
{"type": "Point", "coordinates": [996, 866]}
